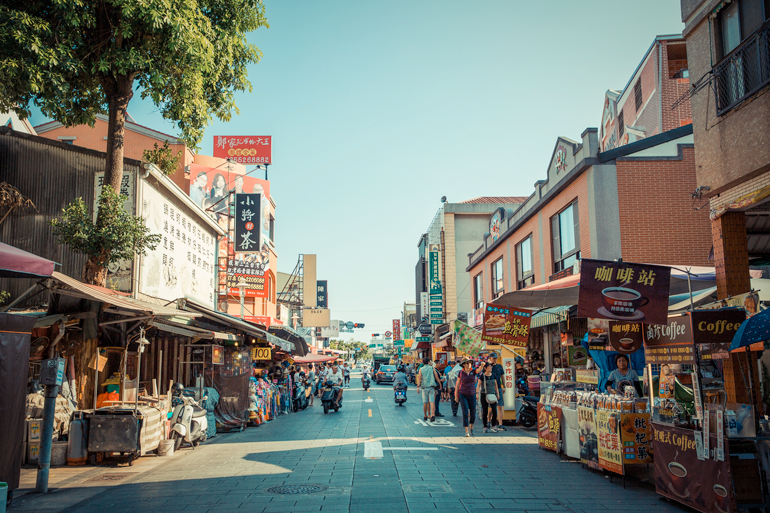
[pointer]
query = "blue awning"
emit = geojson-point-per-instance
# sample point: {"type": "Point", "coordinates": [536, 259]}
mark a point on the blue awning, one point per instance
{"type": "Point", "coordinates": [550, 316]}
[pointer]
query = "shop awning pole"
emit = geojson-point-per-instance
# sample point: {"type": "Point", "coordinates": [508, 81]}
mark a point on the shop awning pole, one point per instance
{"type": "Point", "coordinates": [46, 435]}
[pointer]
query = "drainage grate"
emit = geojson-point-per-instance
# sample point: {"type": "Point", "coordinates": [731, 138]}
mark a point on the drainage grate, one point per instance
{"type": "Point", "coordinates": [296, 489]}
{"type": "Point", "coordinates": [112, 477]}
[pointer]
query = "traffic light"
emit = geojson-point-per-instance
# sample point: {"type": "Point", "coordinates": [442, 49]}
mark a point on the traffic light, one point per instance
{"type": "Point", "coordinates": [358, 325]}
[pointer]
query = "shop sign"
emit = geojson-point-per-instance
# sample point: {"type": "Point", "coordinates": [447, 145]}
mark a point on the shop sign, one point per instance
{"type": "Point", "coordinates": [636, 435]}
{"type": "Point", "coordinates": [423, 339]}
{"type": "Point", "coordinates": [506, 326]}
{"type": "Point", "coordinates": [610, 454]}
{"type": "Point", "coordinates": [669, 343]}
{"type": "Point", "coordinates": [261, 353]}
{"type": "Point", "coordinates": [576, 356]}
{"type": "Point", "coordinates": [398, 342]}
{"type": "Point", "coordinates": [625, 337]}
{"type": "Point", "coordinates": [437, 309]}
{"type": "Point", "coordinates": [509, 383]}
{"type": "Point", "coordinates": [247, 222]}
{"type": "Point", "coordinates": [433, 270]}
{"type": "Point", "coordinates": [589, 441]}
{"type": "Point", "coordinates": [217, 355]}
{"type": "Point", "coordinates": [567, 271]}
{"type": "Point", "coordinates": [548, 426]}
{"type": "Point", "coordinates": [587, 376]}
{"type": "Point", "coordinates": [322, 293]}
{"type": "Point", "coordinates": [624, 291]}
{"type": "Point", "coordinates": [437, 316]}
{"type": "Point", "coordinates": [437, 321]}
{"type": "Point", "coordinates": [704, 485]}
{"type": "Point", "coordinates": [713, 330]}
{"type": "Point", "coordinates": [423, 302]}
{"type": "Point", "coordinates": [494, 224]}
{"type": "Point", "coordinates": [265, 320]}
{"type": "Point", "coordinates": [250, 149]}
{"type": "Point", "coordinates": [396, 328]}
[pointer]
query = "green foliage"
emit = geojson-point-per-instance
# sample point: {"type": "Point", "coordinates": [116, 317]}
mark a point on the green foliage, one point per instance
{"type": "Point", "coordinates": [350, 346]}
{"type": "Point", "coordinates": [71, 58]}
{"type": "Point", "coordinates": [4, 297]}
{"type": "Point", "coordinates": [163, 157]}
{"type": "Point", "coordinates": [117, 235]}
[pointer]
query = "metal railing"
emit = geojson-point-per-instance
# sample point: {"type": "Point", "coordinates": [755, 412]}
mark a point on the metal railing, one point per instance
{"type": "Point", "coordinates": [744, 72]}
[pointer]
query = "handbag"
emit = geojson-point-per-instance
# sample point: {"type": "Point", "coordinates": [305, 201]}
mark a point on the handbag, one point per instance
{"type": "Point", "coordinates": [491, 398]}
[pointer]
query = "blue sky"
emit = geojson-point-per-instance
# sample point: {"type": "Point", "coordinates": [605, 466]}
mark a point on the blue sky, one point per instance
{"type": "Point", "coordinates": [377, 109]}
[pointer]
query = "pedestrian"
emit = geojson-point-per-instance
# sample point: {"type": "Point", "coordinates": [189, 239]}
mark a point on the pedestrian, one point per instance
{"type": "Point", "coordinates": [486, 389]}
{"type": "Point", "coordinates": [499, 373]}
{"type": "Point", "coordinates": [427, 378]}
{"type": "Point", "coordinates": [439, 387]}
{"type": "Point", "coordinates": [346, 372]}
{"type": "Point", "coordinates": [311, 380]}
{"type": "Point", "coordinates": [451, 382]}
{"type": "Point", "coordinates": [465, 394]}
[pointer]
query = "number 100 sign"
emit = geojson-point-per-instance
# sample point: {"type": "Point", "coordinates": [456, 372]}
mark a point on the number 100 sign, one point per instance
{"type": "Point", "coordinates": [261, 353]}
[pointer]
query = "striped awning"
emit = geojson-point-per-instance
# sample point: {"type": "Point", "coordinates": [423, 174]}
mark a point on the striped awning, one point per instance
{"type": "Point", "coordinates": [550, 316]}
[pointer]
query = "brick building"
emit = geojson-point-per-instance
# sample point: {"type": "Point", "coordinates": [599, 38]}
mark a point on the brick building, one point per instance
{"type": "Point", "coordinates": [137, 139]}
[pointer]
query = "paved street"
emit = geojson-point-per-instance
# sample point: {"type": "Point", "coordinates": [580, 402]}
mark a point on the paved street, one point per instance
{"type": "Point", "coordinates": [371, 456]}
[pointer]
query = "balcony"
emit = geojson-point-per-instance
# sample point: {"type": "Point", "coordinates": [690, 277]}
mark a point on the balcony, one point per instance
{"type": "Point", "coordinates": [743, 72]}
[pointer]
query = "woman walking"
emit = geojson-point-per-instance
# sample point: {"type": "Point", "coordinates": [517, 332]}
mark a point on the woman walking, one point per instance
{"type": "Point", "coordinates": [487, 389]}
{"type": "Point", "coordinates": [465, 394]}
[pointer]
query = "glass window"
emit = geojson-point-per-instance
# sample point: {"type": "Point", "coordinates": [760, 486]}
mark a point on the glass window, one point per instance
{"type": "Point", "coordinates": [498, 287]}
{"type": "Point", "coordinates": [731, 28]}
{"type": "Point", "coordinates": [565, 236]}
{"type": "Point", "coordinates": [525, 275]}
{"type": "Point", "coordinates": [478, 290]}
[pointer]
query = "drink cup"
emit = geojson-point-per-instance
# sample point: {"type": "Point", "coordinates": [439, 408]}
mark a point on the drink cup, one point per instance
{"type": "Point", "coordinates": [678, 475]}
{"type": "Point", "coordinates": [622, 302]}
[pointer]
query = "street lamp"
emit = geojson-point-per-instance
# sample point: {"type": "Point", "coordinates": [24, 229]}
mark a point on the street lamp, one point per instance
{"type": "Point", "coordinates": [242, 288]}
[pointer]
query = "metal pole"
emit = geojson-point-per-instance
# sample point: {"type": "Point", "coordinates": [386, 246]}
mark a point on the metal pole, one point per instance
{"type": "Point", "coordinates": [46, 436]}
{"type": "Point", "coordinates": [242, 306]}
{"type": "Point", "coordinates": [689, 288]}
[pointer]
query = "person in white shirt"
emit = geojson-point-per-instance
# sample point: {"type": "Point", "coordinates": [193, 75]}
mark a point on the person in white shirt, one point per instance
{"type": "Point", "coordinates": [337, 377]}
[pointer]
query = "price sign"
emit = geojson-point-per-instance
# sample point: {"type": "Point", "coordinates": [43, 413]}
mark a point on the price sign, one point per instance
{"type": "Point", "coordinates": [261, 353]}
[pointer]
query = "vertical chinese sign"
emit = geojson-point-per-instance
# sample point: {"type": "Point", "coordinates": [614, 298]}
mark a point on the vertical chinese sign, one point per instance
{"type": "Point", "coordinates": [548, 426]}
{"type": "Point", "coordinates": [397, 329]}
{"type": "Point", "coordinates": [610, 455]}
{"type": "Point", "coordinates": [322, 294]}
{"type": "Point", "coordinates": [506, 326]}
{"type": "Point", "coordinates": [434, 285]}
{"type": "Point", "coordinates": [624, 291]}
{"type": "Point", "coordinates": [247, 240]}
{"type": "Point", "coordinates": [509, 380]}
{"type": "Point", "coordinates": [589, 442]}
{"type": "Point", "coordinates": [636, 436]}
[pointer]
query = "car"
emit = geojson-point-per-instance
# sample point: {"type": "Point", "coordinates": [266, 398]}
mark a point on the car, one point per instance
{"type": "Point", "coordinates": [385, 374]}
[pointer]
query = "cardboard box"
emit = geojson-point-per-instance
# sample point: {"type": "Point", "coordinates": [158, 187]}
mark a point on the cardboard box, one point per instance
{"type": "Point", "coordinates": [33, 452]}
{"type": "Point", "coordinates": [34, 429]}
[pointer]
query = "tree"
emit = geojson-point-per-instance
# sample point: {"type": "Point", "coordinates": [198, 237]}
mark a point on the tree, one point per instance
{"type": "Point", "coordinates": [162, 157]}
{"type": "Point", "coordinates": [75, 59]}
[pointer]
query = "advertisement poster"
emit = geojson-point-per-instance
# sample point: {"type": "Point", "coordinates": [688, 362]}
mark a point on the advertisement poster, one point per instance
{"type": "Point", "coordinates": [548, 426]}
{"type": "Point", "coordinates": [576, 356]}
{"type": "Point", "coordinates": [184, 263]}
{"type": "Point", "coordinates": [607, 429]}
{"type": "Point", "coordinates": [636, 435]}
{"type": "Point", "coordinates": [703, 485]}
{"type": "Point", "coordinates": [625, 337]}
{"type": "Point", "coordinates": [217, 355]}
{"type": "Point", "coordinates": [249, 149]}
{"type": "Point", "coordinates": [509, 382]}
{"type": "Point", "coordinates": [669, 343]}
{"type": "Point", "coordinates": [624, 291]}
{"type": "Point", "coordinates": [506, 326]}
{"type": "Point", "coordinates": [589, 440]}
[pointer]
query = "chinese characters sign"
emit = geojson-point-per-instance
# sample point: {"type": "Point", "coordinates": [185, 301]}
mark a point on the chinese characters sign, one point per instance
{"type": "Point", "coordinates": [610, 456]}
{"type": "Point", "coordinates": [247, 215]}
{"type": "Point", "coordinates": [636, 435]}
{"type": "Point", "coordinates": [509, 380]}
{"type": "Point", "coordinates": [669, 343]}
{"type": "Point", "coordinates": [322, 293]}
{"type": "Point", "coordinates": [397, 329]}
{"type": "Point", "coordinates": [624, 291]}
{"type": "Point", "coordinates": [713, 330]}
{"type": "Point", "coordinates": [625, 337]}
{"type": "Point", "coordinates": [589, 449]}
{"type": "Point", "coordinates": [548, 426]}
{"type": "Point", "coordinates": [434, 270]}
{"type": "Point", "coordinates": [253, 149]}
{"type": "Point", "coordinates": [508, 326]}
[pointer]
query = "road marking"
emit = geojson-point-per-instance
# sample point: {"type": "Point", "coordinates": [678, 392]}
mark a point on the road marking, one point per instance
{"type": "Point", "coordinates": [368, 400]}
{"type": "Point", "coordinates": [409, 449]}
{"type": "Point", "coordinates": [423, 423]}
{"type": "Point", "coordinates": [370, 413]}
{"type": "Point", "coordinates": [435, 423]}
{"type": "Point", "coordinates": [373, 450]}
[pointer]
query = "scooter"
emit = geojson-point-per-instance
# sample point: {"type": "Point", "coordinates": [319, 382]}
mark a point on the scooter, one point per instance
{"type": "Point", "coordinates": [188, 423]}
{"type": "Point", "coordinates": [400, 396]}
{"type": "Point", "coordinates": [300, 400]}
{"type": "Point", "coordinates": [366, 382]}
{"type": "Point", "coordinates": [527, 414]}
{"type": "Point", "coordinates": [329, 397]}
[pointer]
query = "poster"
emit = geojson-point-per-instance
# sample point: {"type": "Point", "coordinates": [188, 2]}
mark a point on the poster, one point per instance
{"type": "Point", "coordinates": [607, 429]}
{"type": "Point", "coordinates": [509, 383]}
{"type": "Point", "coordinates": [506, 326]}
{"type": "Point", "coordinates": [625, 337]}
{"type": "Point", "coordinates": [548, 426]}
{"type": "Point", "coordinates": [703, 485]}
{"type": "Point", "coordinates": [249, 149]}
{"type": "Point", "coordinates": [217, 355]}
{"type": "Point", "coordinates": [576, 356]}
{"type": "Point", "coordinates": [636, 436]}
{"type": "Point", "coordinates": [589, 441]}
{"type": "Point", "coordinates": [624, 291]}
{"type": "Point", "coordinates": [671, 342]}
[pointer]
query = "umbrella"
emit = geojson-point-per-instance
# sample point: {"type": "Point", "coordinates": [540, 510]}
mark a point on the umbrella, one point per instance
{"type": "Point", "coordinates": [752, 330]}
{"type": "Point", "coordinates": [17, 263]}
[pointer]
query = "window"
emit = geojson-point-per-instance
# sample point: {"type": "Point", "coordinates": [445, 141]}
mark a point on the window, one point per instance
{"type": "Point", "coordinates": [478, 290]}
{"type": "Point", "coordinates": [638, 94]}
{"type": "Point", "coordinates": [525, 274]}
{"type": "Point", "coordinates": [565, 235]}
{"type": "Point", "coordinates": [272, 228]}
{"type": "Point", "coordinates": [621, 125]}
{"type": "Point", "coordinates": [498, 287]}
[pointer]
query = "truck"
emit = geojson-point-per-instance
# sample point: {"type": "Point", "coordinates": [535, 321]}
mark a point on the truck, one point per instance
{"type": "Point", "coordinates": [379, 360]}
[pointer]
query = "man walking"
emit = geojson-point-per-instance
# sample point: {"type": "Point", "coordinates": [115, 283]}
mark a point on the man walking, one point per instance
{"type": "Point", "coordinates": [427, 378]}
{"type": "Point", "coordinates": [439, 388]}
{"type": "Point", "coordinates": [346, 373]}
{"type": "Point", "coordinates": [451, 382]}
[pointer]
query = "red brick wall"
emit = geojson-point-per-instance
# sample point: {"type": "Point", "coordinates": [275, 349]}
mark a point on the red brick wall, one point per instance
{"type": "Point", "coordinates": [673, 89]}
{"type": "Point", "coordinates": [657, 222]}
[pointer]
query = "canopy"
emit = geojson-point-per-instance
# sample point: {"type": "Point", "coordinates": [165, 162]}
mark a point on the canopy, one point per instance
{"type": "Point", "coordinates": [17, 263]}
{"type": "Point", "coordinates": [314, 358]}
{"type": "Point", "coordinates": [752, 330]}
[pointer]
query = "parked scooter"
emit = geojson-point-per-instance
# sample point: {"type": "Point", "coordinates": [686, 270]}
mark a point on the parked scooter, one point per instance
{"type": "Point", "coordinates": [400, 395]}
{"type": "Point", "coordinates": [527, 414]}
{"type": "Point", "coordinates": [300, 400]}
{"type": "Point", "coordinates": [366, 382]}
{"type": "Point", "coordinates": [188, 421]}
{"type": "Point", "coordinates": [329, 397]}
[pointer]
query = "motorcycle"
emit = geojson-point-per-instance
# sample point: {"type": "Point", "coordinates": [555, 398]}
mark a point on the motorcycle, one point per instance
{"type": "Point", "coordinates": [528, 411]}
{"type": "Point", "coordinates": [300, 400]}
{"type": "Point", "coordinates": [366, 382]}
{"type": "Point", "coordinates": [188, 422]}
{"type": "Point", "coordinates": [329, 397]}
{"type": "Point", "coordinates": [400, 396]}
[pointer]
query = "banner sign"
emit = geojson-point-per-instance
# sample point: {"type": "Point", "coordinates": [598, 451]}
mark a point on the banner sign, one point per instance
{"type": "Point", "coordinates": [434, 275]}
{"type": "Point", "coordinates": [589, 441]}
{"type": "Point", "coordinates": [252, 149]}
{"type": "Point", "coordinates": [548, 426]}
{"type": "Point", "coordinates": [261, 353]}
{"type": "Point", "coordinates": [713, 330]}
{"type": "Point", "coordinates": [624, 291]}
{"type": "Point", "coordinates": [669, 343]}
{"type": "Point", "coordinates": [322, 293]}
{"type": "Point", "coordinates": [247, 214]}
{"type": "Point", "coordinates": [467, 339]}
{"type": "Point", "coordinates": [509, 388]}
{"type": "Point", "coordinates": [506, 326]}
{"type": "Point", "coordinates": [636, 435]}
{"type": "Point", "coordinates": [704, 485]}
{"type": "Point", "coordinates": [396, 329]}
{"type": "Point", "coordinates": [625, 337]}
{"type": "Point", "coordinates": [610, 455]}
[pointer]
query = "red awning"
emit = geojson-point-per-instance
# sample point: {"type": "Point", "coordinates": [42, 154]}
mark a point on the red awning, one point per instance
{"type": "Point", "coordinates": [314, 358]}
{"type": "Point", "coordinates": [422, 345]}
{"type": "Point", "coordinates": [17, 263]}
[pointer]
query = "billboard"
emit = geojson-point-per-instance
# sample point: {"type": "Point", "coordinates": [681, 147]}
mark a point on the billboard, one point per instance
{"type": "Point", "coordinates": [316, 318]}
{"type": "Point", "coordinates": [322, 293]}
{"type": "Point", "coordinates": [247, 214]}
{"type": "Point", "coordinates": [249, 149]}
{"type": "Point", "coordinates": [503, 325]}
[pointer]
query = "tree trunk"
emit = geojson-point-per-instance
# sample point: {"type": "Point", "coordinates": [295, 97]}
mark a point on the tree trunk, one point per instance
{"type": "Point", "coordinates": [119, 91]}
{"type": "Point", "coordinates": [94, 272]}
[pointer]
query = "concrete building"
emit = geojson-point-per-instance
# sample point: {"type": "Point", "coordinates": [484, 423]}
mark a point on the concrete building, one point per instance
{"type": "Point", "coordinates": [12, 121]}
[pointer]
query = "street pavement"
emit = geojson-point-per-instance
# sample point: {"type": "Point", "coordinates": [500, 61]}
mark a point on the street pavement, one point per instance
{"type": "Point", "coordinates": [371, 457]}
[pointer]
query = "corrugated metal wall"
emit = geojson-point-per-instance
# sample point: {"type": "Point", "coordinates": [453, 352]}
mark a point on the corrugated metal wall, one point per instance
{"type": "Point", "coordinates": [52, 175]}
